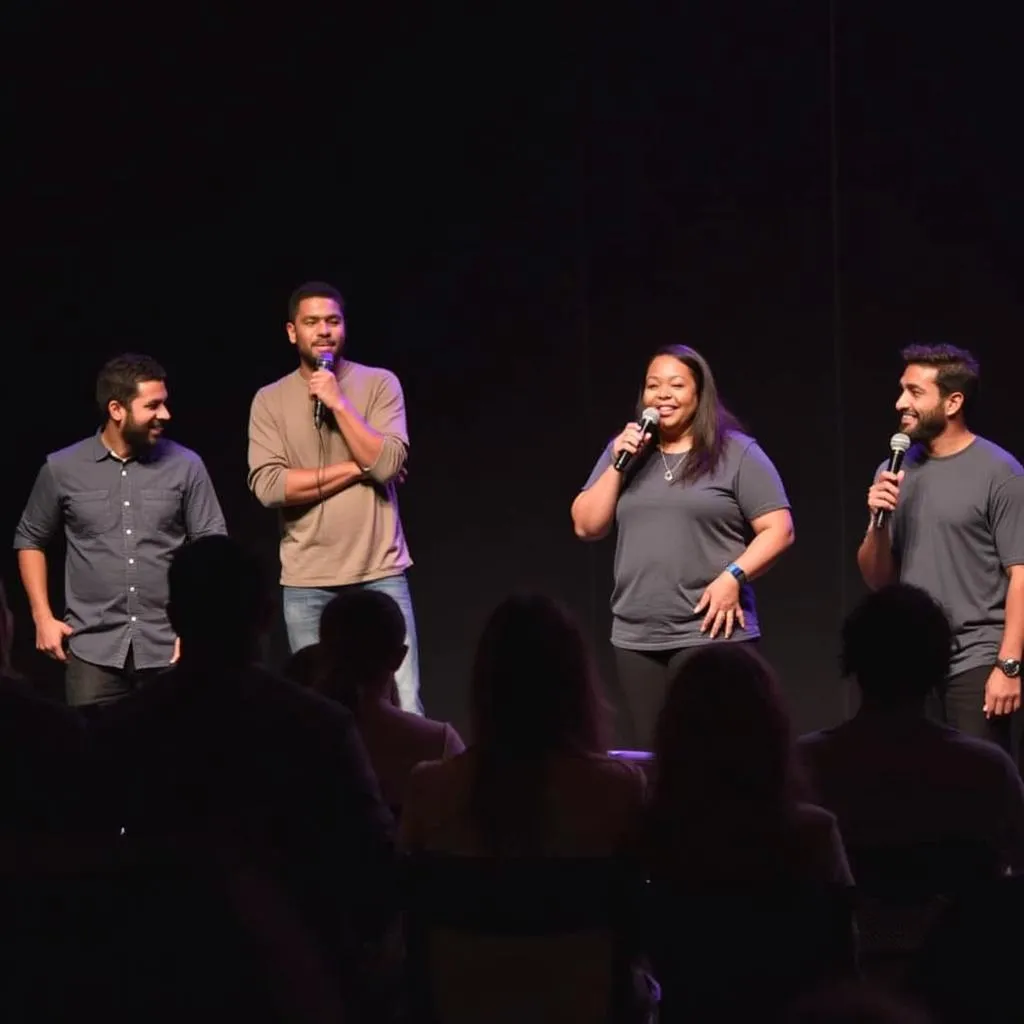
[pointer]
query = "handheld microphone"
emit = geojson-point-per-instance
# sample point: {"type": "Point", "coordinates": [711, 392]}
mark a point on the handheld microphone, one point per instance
{"type": "Point", "coordinates": [324, 361]}
{"type": "Point", "coordinates": [898, 446]}
{"type": "Point", "coordinates": [648, 421]}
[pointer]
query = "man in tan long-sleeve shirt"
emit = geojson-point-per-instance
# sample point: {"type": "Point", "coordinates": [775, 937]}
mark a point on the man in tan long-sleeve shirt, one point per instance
{"type": "Point", "coordinates": [334, 485]}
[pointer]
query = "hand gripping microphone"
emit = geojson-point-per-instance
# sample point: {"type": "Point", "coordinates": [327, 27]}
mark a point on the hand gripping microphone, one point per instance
{"type": "Point", "coordinates": [324, 361]}
{"type": "Point", "coordinates": [648, 421]}
{"type": "Point", "coordinates": [898, 446]}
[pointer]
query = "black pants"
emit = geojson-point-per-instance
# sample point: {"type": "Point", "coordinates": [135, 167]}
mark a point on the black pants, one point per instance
{"type": "Point", "coordinates": [88, 685]}
{"type": "Point", "coordinates": [960, 702]}
{"type": "Point", "coordinates": [643, 682]}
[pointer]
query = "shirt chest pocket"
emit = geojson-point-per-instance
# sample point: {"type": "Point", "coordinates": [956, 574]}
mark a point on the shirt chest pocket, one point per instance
{"type": "Point", "coordinates": [161, 510]}
{"type": "Point", "coordinates": [89, 513]}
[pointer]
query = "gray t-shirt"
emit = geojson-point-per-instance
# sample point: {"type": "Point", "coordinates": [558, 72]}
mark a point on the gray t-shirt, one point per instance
{"type": "Point", "coordinates": [958, 527]}
{"type": "Point", "coordinates": [675, 538]}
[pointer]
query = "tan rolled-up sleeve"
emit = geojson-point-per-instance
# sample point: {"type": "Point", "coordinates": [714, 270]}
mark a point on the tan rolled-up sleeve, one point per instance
{"type": "Point", "coordinates": [268, 465]}
{"type": "Point", "coordinates": [386, 415]}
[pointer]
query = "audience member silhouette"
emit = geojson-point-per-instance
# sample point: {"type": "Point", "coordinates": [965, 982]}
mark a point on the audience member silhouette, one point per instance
{"type": "Point", "coordinates": [362, 644]}
{"type": "Point", "coordinates": [301, 666]}
{"type": "Point", "coordinates": [44, 787]}
{"type": "Point", "coordinates": [536, 779]}
{"type": "Point", "coordinates": [854, 1003]}
{"type": "Point", "coordinates": [893, 777]}
{"type": "Point", "coordinates": [727, 803]}
{"type": "Point", "coordinates": [227, 754]}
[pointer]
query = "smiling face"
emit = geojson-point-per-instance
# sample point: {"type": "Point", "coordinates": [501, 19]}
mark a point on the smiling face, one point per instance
{"type": "Point", "coordinates": [141, 422]}
{"type": "Point", "coordinates": [924, 411]}
{"type": "Point", "coordinates": [671, 387]}
{"type": "Point", "coordinates": [318, 328]}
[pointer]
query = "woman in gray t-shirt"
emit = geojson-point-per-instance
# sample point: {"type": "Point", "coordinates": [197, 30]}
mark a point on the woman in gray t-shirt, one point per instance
{"type": "Point", "coordinates": [700, 511]}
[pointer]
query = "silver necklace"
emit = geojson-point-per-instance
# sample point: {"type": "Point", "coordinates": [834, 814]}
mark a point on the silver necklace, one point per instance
{"type": "Point", "coordinates": [670, 471]}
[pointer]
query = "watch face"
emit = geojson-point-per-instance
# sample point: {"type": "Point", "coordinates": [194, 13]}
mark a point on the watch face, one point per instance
{"type": "Point", "coordinates": [1011, 667]}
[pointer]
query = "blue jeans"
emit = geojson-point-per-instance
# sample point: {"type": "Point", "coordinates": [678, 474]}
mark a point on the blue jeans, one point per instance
{"type": "Point", "coordinates": [303, 607]}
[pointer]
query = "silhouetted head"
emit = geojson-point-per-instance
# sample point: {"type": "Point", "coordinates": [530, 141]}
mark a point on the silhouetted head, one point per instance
{"type": "Point", "coordinates": [723, 739]}
{"type": "Point", "coordinates": [534, 695]}
{"type": "Point", "coordinates": [534, 686]}
{"type": "Point", "coordinates": [898, 644]}
{"type": "Point", "coordinates": [218, 602]}
{"type": "Point", "coordinates": [362, 645]}
{"type": "Point", "coordinates": [302, 666]}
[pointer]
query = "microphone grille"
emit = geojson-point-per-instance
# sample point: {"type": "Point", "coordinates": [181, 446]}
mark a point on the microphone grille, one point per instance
{"type": "Point", "coordinates": [650, 414]}
{"type": "Point", "coordinates": [899, 443]}
{"type": "Point", "coordinates": [325, 361]}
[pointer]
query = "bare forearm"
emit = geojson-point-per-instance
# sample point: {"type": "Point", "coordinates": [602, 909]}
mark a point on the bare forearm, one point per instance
{"type": "Point", "coordinates": [32, 567]}
{"type": "Point", "coordinates": [1012, 645]}
{"type": "Point", "coordinates": [593, 511]}
{"type": "Point", "coordinates": [303, 486]}
{"type": "Point", "coordinates": [874, 558]}
{"type": "Point", "coordinates": [764, 549]}
{"type": "Point", "coordinates": [363, 441]}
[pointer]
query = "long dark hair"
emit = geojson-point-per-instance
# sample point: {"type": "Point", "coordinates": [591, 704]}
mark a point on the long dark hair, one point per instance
{"type": "Point", "coordinates": [534, 694]}
{"type": "Point", "coordinates": [712, 421]}
{"type": "Point", "coordinates": [725, 755]}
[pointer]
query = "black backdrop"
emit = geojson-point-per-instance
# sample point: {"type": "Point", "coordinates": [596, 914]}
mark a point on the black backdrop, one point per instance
{"type": "Point", "coordinates": [519, 205]}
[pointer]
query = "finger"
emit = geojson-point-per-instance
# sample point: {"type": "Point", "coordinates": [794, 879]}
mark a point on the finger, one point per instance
{"type": "Point", "coordinates": [741, 618]}
{"type": "Point", "coordinates": [719, 622]}
{"type": "Point", "coordinates": [60, 655]}
{"type": "Point", "coordinates": [730, 621]}
{"type": "Point", "coordinates": [708, 620]}
{"type": "Point", "coordinates": [699, 606]}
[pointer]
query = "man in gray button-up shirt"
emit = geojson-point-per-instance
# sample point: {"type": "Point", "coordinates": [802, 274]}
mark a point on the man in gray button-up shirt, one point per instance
{"type": "Point", "coordinates": [127, 499]}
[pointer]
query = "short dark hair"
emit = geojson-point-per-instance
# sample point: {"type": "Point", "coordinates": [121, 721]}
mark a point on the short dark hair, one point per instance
{"type": "Point", "coordinates": [897, 643]}
{"type": "Point", "coordinates": [216, 593]}
{"type": "Point", "coordinates": [957, 369]}
{"type": "Point", "coordinates": [121, 376]}
{"type": "Point", "coordinates": [313, 290]}
{"type": "Point", "coordinates": [361, 632]}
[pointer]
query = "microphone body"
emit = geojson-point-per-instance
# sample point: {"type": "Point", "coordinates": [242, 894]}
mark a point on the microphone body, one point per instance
{"type": "Point", "coordinates": [648, 421]}
{"type": "Point", "coordinates": [898, 447]}
{"type": "Point", "coordinates": [324, 361]}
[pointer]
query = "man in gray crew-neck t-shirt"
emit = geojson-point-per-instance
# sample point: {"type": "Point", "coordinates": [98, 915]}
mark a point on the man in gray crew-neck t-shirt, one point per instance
{"type": "Point", "coordinates": [952, 523]}
{"type": "Point", "coordinates": [959, 521]}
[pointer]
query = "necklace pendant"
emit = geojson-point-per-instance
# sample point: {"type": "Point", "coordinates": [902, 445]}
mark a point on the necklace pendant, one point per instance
{"type": "Point", "coordinates": [668, 475]}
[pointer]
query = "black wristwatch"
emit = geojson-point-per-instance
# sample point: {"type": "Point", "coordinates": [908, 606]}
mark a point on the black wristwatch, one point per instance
{"type": "Point", "coordinates": [1010, 667]}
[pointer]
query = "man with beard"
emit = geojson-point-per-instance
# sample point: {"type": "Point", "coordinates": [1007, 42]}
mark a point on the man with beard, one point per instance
{"type": "Point", "coordinates": [954, 526]}
{"type": "Point", "coordinates": [327, 445]}
{"type": "Point", "coordinates": [127, 499]}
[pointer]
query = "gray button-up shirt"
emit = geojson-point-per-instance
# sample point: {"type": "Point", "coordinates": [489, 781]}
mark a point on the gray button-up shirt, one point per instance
{"type": "Point", "coordinates": [123, 519]}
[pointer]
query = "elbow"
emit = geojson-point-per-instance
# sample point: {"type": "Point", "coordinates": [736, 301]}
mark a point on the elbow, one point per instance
{"type": "Point", "coordinates": [389, 462]}
{"type": "Point", "coordinates": [788, 536]}
{"type": "Point", "coordinates": [586, 532]}
{"type": "Point", "coordinates": [269, 491]}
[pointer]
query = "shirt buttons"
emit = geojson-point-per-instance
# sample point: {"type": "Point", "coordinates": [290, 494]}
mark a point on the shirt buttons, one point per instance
{"type": "Point", "coordinates": [127, 531]}
{"type": "Point", "coordinates": [131, 561]}
{"type": "Point", "coordinates": [124, 472]}
{"type": "Point", "coordinates": [127, 503]}
{"type": "Point", "coordinates": [133, 618]}
{"type": "Point", "coordinates": [131, 590]}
